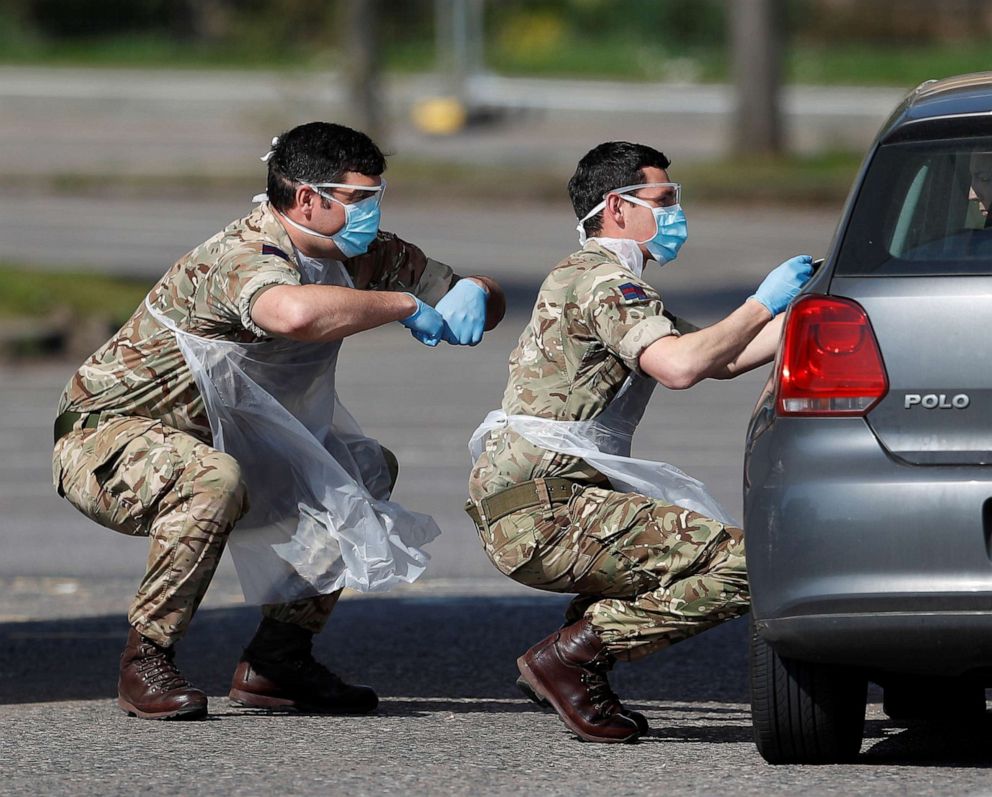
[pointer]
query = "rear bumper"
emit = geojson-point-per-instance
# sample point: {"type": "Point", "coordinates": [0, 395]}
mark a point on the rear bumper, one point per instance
{"type": "Point", "coordinates": [857, 559]}
{"type": "Point", "coordinates": [936, 643]}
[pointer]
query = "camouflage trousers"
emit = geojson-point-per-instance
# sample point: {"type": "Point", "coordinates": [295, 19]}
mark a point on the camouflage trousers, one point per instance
{"type": "Point", "coordinates": [143, 478]}
{"type": "Point", "coordinates": [647, 574]}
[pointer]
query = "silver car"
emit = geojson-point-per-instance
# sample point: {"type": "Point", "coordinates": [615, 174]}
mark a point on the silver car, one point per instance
{"type": "Point", "coordinates": [868, 472]}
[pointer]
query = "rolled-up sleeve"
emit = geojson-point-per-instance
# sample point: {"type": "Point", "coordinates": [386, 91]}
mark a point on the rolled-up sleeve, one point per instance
{"type": "Point", "coordinates": [237, 281]}
{"type": "Point", "coordinates": [642, 335]}
{"type": "Point", "coordinates": [255, 288]}
{"type": "Point", "coordinates": [624, 313]}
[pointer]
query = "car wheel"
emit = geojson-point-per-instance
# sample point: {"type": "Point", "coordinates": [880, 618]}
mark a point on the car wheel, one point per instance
{"type": "Point", "coordinates": [803, 712]}
{"type": "Point", "coordinates": [933, 699]}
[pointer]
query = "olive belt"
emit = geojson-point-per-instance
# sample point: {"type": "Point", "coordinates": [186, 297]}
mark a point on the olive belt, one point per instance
{"type": "Point", "coordinates": [538, 492]}
{"type": "Point", "coordinates": [66, 422]}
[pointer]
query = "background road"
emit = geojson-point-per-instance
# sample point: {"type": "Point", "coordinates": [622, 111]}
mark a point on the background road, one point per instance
{"type": "Point", "coordinates": [120, 122]}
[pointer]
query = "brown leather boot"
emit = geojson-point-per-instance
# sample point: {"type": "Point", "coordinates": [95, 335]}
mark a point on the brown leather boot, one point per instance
{"type": "Point", "coordinates": [568, 670]}
{"type": "Point", "coordinates": [636, 716]}
{"type": "Point", "coordinates": [278, 671]}
{"type": "Point", "coordinates": [151, 687]}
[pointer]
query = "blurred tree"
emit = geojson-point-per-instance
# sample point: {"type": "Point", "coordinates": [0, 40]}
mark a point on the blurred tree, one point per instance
{"type": "Point", "coordinates": [459, 34]}
{"type": "Point", "coordinates": [757, 76]}
{"type": "Point", "coordinates": [209, 20]}
{"type": "Point", "coordinates": [361, 43]}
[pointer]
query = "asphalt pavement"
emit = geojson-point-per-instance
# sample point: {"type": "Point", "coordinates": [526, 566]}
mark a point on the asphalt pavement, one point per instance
{"type": "Point", "coordinates": [450, 721]}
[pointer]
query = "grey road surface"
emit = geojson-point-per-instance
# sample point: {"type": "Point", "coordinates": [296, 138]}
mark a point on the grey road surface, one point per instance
{"type": "Point", "coordinates": [441, 652]}
{"type": "Point", "coordinates": [450, 721]}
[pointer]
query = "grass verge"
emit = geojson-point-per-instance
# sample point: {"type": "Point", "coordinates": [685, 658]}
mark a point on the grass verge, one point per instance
{"type": "Point", "coordinates": [48, 313]}
{"type": "Point", "coordinates": [33, 293]}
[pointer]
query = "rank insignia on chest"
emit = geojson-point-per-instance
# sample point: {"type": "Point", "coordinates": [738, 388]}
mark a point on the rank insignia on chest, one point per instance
{"type": "Point", "coordinates": [633, 293]}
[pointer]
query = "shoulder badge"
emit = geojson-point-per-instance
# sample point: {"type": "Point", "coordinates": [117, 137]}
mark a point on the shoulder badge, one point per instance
{"type": "Point", "coordinates": [633, 293]}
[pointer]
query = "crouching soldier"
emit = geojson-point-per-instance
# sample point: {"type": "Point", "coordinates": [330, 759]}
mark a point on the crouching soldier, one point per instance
{"type": "Point", "coordinates": [558, 501]}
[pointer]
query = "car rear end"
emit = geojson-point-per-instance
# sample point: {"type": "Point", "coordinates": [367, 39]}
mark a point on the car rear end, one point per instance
{"type": "Point", "coordinates": [868, 486]}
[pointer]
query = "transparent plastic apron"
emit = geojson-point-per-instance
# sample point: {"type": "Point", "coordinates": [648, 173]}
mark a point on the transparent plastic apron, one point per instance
{"type": "Point", "coordinates": [604, 443]}
{"type": "Point", "coordinates": [319, 518]}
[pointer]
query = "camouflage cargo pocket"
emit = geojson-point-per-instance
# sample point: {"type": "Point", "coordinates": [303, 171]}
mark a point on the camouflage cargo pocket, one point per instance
{"type": "Point", "coordinates": [116, 473]}
{"type": "Point", "coordinates": [79, 454]}
{"type": "Point", "coordinates": [513, 541]}
{"type": "Point", "coordinates": [142, 474]}
{"type": "Point", "coordinates": [606, 516]}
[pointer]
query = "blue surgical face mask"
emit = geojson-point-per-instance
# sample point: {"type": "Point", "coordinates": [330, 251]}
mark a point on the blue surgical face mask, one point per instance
{"type": "Point", "coordinates": [670, 226]}
{"type": "Point", "coordinates": [361, 220]}
{"type": "Point", "coordinates": [361, 225]}
{"type": "Point", "coordinates": [670, 231]}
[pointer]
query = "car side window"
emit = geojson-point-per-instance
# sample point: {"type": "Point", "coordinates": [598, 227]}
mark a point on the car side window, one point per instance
{"type": "Point", "coordinates": [923, 208]}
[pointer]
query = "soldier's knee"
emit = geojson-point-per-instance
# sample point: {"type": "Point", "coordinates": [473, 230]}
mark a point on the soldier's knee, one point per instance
{"type": "Point", "coordinates": [731, 562]}
{"type": "Point", "coordinates": [218, 476]}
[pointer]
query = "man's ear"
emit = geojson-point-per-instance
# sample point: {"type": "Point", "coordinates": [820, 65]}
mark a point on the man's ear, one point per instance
{"type": "Point", "coordinates": [305, 199]}
{"type": "Point", "coordinates": [613, 208]}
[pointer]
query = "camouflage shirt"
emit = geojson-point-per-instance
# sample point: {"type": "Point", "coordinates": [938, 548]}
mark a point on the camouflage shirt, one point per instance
{"type": "Point", "coordinates": [592, 321]}
{"type": "Point", "coordinates": [209, 292]}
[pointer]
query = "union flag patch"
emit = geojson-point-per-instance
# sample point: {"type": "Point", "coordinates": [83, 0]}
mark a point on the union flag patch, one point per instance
{"type": "Point", "coordinates": [633, 293]}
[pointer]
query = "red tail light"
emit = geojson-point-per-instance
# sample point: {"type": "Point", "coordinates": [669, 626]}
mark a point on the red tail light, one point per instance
{"type": "Point", "coordinates": [830, 362]}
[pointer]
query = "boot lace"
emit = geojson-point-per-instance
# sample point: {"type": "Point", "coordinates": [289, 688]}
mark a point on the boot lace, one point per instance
{"type": "Point", "coordinates": [598, 688]}
{"type": "Point", "coordinates": [157, 669]}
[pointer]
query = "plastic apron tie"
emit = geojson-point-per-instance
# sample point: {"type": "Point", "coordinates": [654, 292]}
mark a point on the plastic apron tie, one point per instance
{"type": "Point", "coordinates": [318, 489]}
{"type": "Point", "coordinates": [604, 443]}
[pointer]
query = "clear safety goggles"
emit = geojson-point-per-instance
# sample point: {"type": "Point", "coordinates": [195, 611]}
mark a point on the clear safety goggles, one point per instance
{"type": "Point", "coordinates": [376, 192]}
{"type": "Point", "coordinates": [670, 197]}
{"type": "Point", "coordinates": [671, 193]}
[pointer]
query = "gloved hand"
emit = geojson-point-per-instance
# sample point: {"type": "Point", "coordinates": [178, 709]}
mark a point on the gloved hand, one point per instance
{"type": "Point", "coordinates": [425, 323]}
{"type": "Point", "coordinates": [783, 283]}
{"type": "Point", "coordinates": [464, 311]}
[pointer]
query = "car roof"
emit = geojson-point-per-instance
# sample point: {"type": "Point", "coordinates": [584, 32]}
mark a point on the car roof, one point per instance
{"type": "Point", "coordinates": [958, 96]}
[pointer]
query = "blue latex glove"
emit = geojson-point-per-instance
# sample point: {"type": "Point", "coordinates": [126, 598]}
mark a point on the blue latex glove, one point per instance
{"type": "Point", "coordinates": [464, 311]}
{"type": "Point", "coordinates": [783, 283]}
{"type": "Point", "coordinates": [425, 323]}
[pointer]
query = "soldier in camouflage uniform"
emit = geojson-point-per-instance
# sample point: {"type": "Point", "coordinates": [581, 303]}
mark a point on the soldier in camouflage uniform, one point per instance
{"type": "Point", "coordinates": [647, 573]}
{"type": "Point", "coordinates": [133, 443]}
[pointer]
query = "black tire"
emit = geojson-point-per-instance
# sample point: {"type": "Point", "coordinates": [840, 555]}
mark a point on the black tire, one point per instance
{"type": "Point", "coordinates": [805, 713]}
{"type": "Point", "coordinates": [934, 699]}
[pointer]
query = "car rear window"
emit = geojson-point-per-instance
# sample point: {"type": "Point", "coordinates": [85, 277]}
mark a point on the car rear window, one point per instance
{"type": "Point", "coordinates": [923, 209]}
